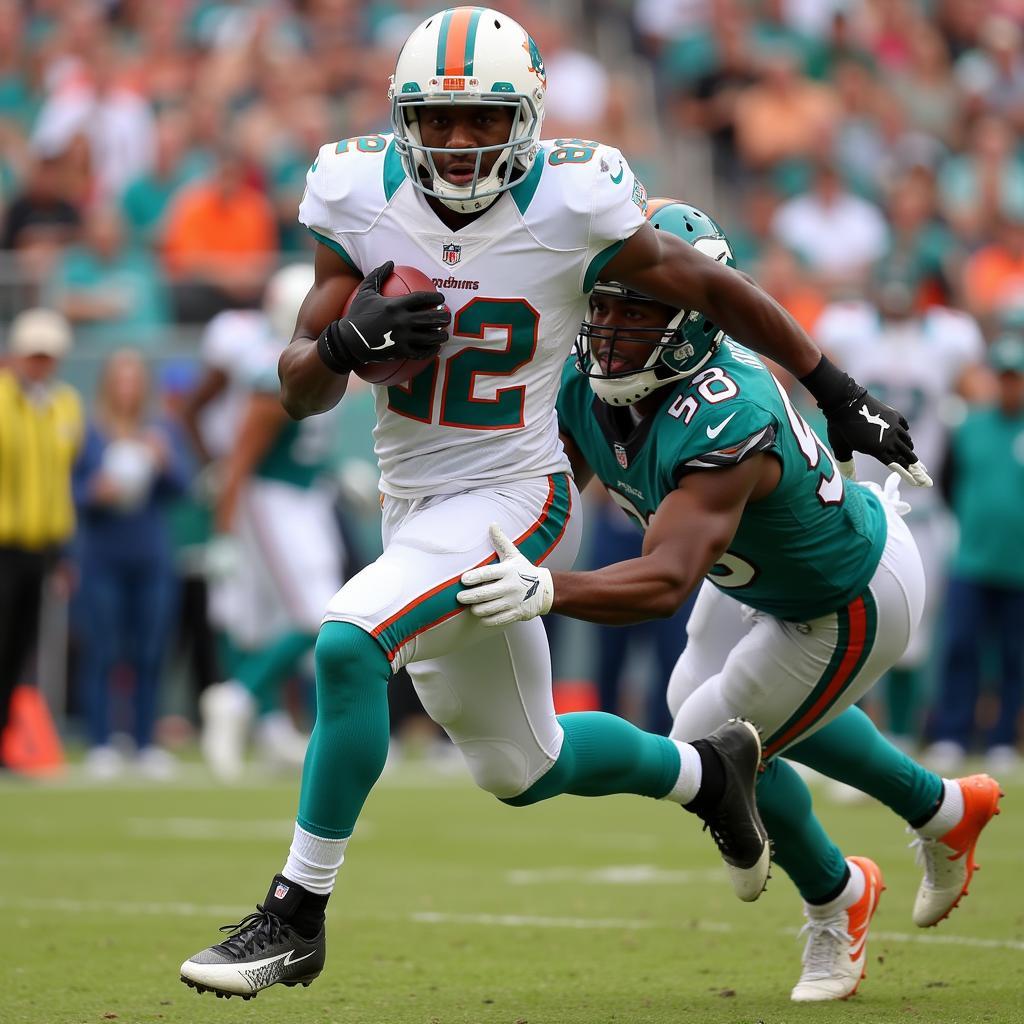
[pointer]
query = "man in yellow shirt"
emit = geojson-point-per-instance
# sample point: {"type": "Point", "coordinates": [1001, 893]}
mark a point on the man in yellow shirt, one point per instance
{"type": "Point", "coordinates": [40, 432]}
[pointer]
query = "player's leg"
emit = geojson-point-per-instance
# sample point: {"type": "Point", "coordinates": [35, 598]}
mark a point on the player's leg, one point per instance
{"type": "Point", "coordinates": [904, 684]}
{"type": "Point", "coordinates": [518, 750]}
{"type": "Point", "coordinates": [1008, 615]}
{"type": "Point", "coordinates": [840, 894]}
{"type": "Point", "coordinates": [959, 675]}
{"type": "Point", "coordinates": [402, 602]}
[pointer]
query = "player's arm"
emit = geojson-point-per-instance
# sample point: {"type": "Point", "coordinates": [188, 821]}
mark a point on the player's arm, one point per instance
{"type": "Point", "coordinates": [687, 535]}
{"type": "Point", "coordinates": [260, 423]}
{"type": "Point", "coordinates": [212, 383]}
{"type": "Point", "coordinates": [581, 471]}
{"type": "Point", "coordinates": [308, 386]}
{"type": "Point", "coordinates": [325, 348]}
{"type": "Point", "coordinates": [664, 267]}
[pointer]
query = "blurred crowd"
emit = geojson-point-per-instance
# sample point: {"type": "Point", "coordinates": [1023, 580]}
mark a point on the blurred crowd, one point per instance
{"type": "Point", "coordinates": [864, 156]}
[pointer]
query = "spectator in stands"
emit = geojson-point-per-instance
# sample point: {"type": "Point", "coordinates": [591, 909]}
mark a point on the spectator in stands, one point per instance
{"type": "Point", "coordinates": [783, 117]}
{"type": "Point", "coordinates": [994, 275]}
{"type": "Point", "coordinates": [128, 472]}
{"type": "Point", "coordinates": [111, 292]}
{"type": "Point", "coordinates": [41, 213]}
{"type": "Point", "coordinates": [985, 602]}
{"type": "Point", "coordinates": [146, 198]}
{"type": "Point", "coordinates": [40, 432]}
{"type": "Point", "coordinates": [992, 73]}
{"type": "Point", "coordinates": [836, 233]}
{"type": "Point", "coordinates": [219, 242]}
{"type": "Point", "coordinates": [985, 182]}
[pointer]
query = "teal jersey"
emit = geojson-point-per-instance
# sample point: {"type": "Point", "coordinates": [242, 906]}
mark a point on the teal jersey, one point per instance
{"type": "Point", "coordinates": [807, 549]}
{"type": "Point", "coordinates": [302, 451]}
{"type": "Point", "coordinates": [988, 481]}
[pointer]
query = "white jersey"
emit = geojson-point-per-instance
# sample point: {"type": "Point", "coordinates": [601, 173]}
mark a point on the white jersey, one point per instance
{"type": "Point", "coordinates": [913, 365]}
{"type": "Point", "coordinates": [516, 281]}
{"type": "Point", "coordinates": [240, 344]}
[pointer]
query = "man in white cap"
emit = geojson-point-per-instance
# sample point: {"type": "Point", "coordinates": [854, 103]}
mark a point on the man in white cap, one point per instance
{"type": "Point", "coordinates": [40, 431]}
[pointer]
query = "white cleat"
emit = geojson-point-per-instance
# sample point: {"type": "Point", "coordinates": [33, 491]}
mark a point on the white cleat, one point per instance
{"type": "Point", "coordinates": [948, 861]}
{"type": "Point", "coordinates": [226, 711]}
{"type": "Point", "coordinates": [836, 951]}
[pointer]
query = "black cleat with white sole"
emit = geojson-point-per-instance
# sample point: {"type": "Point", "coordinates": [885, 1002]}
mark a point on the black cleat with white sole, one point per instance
{"type": "Point", "coordinates": [733, 819]}
{"type": "Point", "coordinates": [263, 950]}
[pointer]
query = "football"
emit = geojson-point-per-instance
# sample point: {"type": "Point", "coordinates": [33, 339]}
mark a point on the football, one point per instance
{"type": "Point", "coordinates": [400, 281]}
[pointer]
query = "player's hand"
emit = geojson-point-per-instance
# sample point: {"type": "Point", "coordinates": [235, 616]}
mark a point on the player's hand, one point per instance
{"type": "Point", "coordinates": [864, 424]}
{"type": "Point", "coordinates": [512, 589]}
{"type": "Point", "coordinates": [379, 327]}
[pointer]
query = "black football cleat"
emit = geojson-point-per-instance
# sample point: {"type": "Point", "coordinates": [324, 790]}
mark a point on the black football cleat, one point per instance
{"type": "Point", "coordinates": [263, 950]}
{"type": "Point", "coordinates": [733, 821]}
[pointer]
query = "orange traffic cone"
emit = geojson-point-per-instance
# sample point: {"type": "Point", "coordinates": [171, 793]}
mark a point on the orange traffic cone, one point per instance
{"type": "Point", "coordinates": [30, 743]}
{"type": "Point", "coordinates": [575, 695]}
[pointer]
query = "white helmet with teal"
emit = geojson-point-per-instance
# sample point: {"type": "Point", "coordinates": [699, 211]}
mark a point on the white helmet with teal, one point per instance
{"type": "Point", "coordinates": [469, 55]}
{"type": "Point", "coordinates": [680, 348]}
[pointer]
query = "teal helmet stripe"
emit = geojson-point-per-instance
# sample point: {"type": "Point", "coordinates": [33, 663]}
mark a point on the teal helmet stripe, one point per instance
{"type": "Point", "coordinates": [471, 40]}
{"type": "Point", "coordinates": [442, 40]}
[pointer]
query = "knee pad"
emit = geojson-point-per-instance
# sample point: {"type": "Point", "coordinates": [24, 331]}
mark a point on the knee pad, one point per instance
{"type": "Point", "coordinates": [497, 766]}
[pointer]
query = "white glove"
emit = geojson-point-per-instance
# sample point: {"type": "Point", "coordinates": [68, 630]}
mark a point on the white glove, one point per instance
{"type": "Point", "coordinates": [916, 475]}
{"type": "Point", "coordinates": [510, 590]}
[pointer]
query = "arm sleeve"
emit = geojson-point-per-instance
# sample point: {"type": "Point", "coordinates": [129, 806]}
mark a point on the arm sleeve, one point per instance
{"type": "Point", "coordinates": [618, 205]}
{"type": "Point", "coordinates": [327, 188]}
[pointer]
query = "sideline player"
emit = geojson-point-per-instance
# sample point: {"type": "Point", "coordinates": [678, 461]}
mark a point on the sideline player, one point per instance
{"type": "Point", "coordinates": [920, 361]}
{"type": "Point", "coordinates": [813, 588]}
{"type": "Point", "coordinates": [465, 181]}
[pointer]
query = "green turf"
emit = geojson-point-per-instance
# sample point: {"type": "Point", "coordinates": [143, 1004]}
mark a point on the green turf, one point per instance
{"type": "Point", "coordinates": [105, 891]}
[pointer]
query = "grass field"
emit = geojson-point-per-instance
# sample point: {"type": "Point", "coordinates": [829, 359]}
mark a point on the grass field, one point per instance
{"type": "Point", "coordinates": [454, 909]}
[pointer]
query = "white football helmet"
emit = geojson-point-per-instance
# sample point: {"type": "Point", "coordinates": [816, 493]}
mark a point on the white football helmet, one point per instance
{"type": "Point", "coordinates": [472, 55]}
{"type": "Point", "coordinates": [283, 296]}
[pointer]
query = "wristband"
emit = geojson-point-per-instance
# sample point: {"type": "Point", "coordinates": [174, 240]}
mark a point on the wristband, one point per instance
{"type": "Point", "coordinates": [830, 386]}
{"type": "Point", "coordinates": [325, 349]}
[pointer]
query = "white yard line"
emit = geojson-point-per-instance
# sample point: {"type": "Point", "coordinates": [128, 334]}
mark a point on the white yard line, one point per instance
{"type": "Point", "coordinates": [226, 912]}
{"type": "Point", "coordinates": [627, 924]}
{"type": "Point", "coordinates": [624, 874]}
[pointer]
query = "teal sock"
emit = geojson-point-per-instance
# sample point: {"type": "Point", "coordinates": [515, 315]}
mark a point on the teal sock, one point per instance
{"type": "Point", "coordinates": [262, 671]}
{"type": "Point", "coordinates": [802, 847]}
{"type": "Point", "coordinates": [601, 755]}
{"type": "Point", "coordinates": [852, 750]}
{"type": "Point", "coordinates": [350, 739]}
{"type": "Point", "coordinates": [901, 690]}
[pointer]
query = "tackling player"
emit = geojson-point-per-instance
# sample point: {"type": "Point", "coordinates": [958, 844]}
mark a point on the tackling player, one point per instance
{"type": "Point", "coordinates": [464, 189]}
{"type": "Point", "coordinates": [813, 587]}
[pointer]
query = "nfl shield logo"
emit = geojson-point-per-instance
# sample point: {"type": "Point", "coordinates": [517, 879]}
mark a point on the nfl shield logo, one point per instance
{"type": "Point", "coordinates": [451, 253]}
{"type": "Point", "coordinates": [280, 892]}
{"type": "Point", "coordinates": [620, 455]}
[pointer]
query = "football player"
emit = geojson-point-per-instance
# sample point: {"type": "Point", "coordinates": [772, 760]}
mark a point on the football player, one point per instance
{"type": "Point", "coordinates": [920, 362]}
{"type": "Point", "coordinates": [519, 231]}
{"type": "Point", "coordinates": [812, 589]}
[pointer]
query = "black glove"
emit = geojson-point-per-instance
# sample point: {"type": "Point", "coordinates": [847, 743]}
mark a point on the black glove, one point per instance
{"type": "Point", "coordinates": [379, 327]}
{"type": "Point", "coordinates": [859, 422]}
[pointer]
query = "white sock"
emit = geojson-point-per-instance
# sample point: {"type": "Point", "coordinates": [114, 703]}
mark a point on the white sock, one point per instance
{"type": "Point", "coordinates": [313, 862]}
{"type": "Point", "coordinates": [852, 892]}
{"type": "Point", "coordinates": [686, 786]}
{"type": "Point", "coordinates": [950, 811]}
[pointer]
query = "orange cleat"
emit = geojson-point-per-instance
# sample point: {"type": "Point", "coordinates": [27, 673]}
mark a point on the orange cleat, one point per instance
{"type": "Point", "coordinates": [836, 951]}
{"type": "Point", "coordinates": [949, 860]}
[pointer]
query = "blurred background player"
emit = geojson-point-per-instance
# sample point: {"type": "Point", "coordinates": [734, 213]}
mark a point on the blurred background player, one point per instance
{"type": "Point", "coordinates": [276, 530]}
{"type": "Point", "coordinates": [129, 471]}
{"type": "Point", "coordinates": [924, 362]}
{"type": "Point", "coordinates": [40, 435]}
{"type": "Point", "coordinates": [984, 619]}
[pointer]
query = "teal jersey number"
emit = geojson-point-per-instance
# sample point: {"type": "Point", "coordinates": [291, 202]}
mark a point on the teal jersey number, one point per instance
{"type": "Point", "coordinates": [459, 408]}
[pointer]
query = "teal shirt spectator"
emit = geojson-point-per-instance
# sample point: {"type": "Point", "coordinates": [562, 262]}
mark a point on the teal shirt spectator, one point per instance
{"type": "Point", "coordinates": [134, 282]}
{"type": "Point", "coordinates": [146, 199]}
{"type": "Point", "coordinates": [988, 496]}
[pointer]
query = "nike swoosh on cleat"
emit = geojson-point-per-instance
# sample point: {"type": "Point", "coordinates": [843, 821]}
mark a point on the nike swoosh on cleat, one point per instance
{"type": "Point", "coordinates": [713, 432]}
